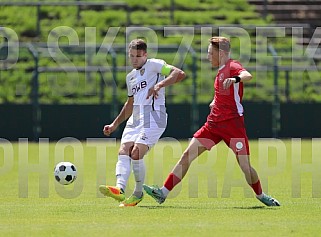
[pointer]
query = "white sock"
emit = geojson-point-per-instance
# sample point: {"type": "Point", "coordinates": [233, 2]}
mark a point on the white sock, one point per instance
{"type": "Point", "coordinates": [260, 195]}
{"type": "Point", "coordinates": [139, 173]}
{"type": "Point", "coordinates": [122, 171]}
{"type": "Point", "coordinates": [165, 191]}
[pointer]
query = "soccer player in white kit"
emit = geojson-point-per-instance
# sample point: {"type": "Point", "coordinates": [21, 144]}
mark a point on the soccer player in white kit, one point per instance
{"type": "Point", "coordinates": [147, 119]}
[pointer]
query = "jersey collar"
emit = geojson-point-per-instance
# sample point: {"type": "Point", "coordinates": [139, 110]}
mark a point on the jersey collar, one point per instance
{"type": "Point", "coordinates": [141, 66]}
{"type": "Point", "coordinates": [221, 67]}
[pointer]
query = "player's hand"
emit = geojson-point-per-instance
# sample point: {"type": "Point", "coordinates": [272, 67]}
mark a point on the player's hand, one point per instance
{"type": "Point", "coordinates": [228, 82]}
{"type": "Point", "coordinates": [108, 129]}
{"type": "Point", "coordinates": [153, 91]}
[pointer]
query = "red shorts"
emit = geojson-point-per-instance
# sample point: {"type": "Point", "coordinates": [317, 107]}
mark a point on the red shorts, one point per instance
{"type": "Point", "coordinates": [231, 131]}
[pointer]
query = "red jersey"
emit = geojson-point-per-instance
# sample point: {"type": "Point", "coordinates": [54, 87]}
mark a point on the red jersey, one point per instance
{"type": "Point", "coordinates": [227, 102]}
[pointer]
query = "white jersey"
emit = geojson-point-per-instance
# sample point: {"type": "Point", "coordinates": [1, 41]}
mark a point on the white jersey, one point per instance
{"type": "Point", "coordinates": [147, 111]}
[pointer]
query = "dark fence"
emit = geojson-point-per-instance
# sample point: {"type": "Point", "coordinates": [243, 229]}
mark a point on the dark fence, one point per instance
{"type": "Point", "coordinates": [87, 121]}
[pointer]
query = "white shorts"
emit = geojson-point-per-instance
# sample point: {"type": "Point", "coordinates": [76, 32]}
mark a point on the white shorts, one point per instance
{"type": "Point", "coordinates": [148, 134]}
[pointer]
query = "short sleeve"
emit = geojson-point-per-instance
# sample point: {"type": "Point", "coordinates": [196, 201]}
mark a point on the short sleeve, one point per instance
{"type": "Point", "coordinates": [156, 65]}
{"type": "Point", "coordinates": [236, 68]}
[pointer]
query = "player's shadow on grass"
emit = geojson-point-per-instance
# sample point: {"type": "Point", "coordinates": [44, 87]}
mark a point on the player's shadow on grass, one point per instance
{"type": "Point", "coordinates": [255, 208]}
{"type": "Point", "coordinates": [171, 207]}
{"type": "Point", "coordinates": [206, 207]}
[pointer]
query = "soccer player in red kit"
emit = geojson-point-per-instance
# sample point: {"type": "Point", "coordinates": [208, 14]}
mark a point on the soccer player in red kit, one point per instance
{"type": "Point", "coordinates": [225, 122]}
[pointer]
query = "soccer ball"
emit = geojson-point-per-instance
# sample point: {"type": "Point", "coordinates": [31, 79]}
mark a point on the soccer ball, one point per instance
{"type": "Point", "coordinates": [65, 173]}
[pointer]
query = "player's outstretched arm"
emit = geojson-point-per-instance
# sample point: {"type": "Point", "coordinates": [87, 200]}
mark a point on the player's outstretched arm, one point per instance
{"type": "Point", "coordinates": [124, 114]}
{"type": "Point", "coordinates": [245, 76]}
{"type": "Point", "coordinates": [174, 76]}
{"type": "Point", "coordinates": [242, 77]}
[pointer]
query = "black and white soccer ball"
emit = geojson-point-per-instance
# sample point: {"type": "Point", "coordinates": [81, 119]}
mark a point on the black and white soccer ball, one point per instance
{"type": "Point", "coordinates": [65, 173]}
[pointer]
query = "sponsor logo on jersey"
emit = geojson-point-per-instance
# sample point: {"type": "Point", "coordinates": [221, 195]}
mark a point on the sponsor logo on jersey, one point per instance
{"type": "Point", "coordinates": [140, 85]}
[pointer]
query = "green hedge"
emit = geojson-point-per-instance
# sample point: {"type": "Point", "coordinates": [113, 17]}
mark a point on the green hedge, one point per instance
{"type": "Point", "coordinates": [15, 86]}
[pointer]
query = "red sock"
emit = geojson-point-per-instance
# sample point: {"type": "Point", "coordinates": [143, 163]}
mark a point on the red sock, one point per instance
{"type": "Point", "coordinates": [171, 181]}
{"type": "Point", "coordinates": [257, 187]}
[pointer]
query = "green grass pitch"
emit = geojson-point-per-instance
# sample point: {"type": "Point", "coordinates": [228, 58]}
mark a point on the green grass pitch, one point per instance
{"type": "Point", "coordinates": [213, 199]}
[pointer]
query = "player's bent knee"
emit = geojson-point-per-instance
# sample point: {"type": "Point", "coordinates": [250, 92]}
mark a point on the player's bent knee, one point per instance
{"type": "Point", "coordinates": [135, 153]}
{"type": "Point", "coordinates": [125, 149]}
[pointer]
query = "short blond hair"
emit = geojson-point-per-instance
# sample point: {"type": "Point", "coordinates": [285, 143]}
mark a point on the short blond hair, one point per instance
{"type": "Point", "coordinates": [221, 43]}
